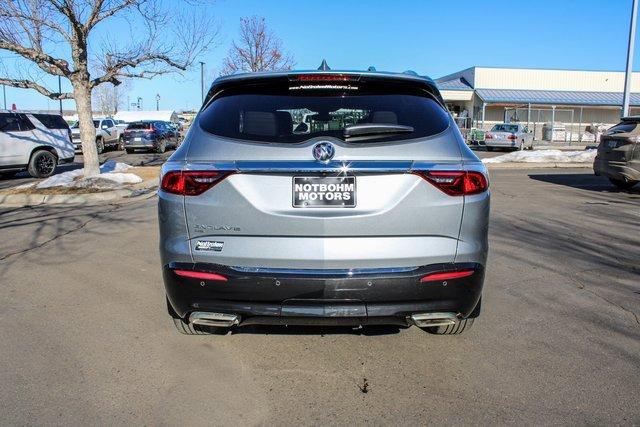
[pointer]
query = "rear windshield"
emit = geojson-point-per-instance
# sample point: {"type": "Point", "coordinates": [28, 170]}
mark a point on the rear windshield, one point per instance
{"type": "Point", "coordinates": [623, 127]}
{"type": "Point", "coordinates": [289, 115]}
{"type": "Point", "coordinates": [52, 121]}
{"type": "Point", "coordinates": [505, 128]}
{"type": "Point", "coordinates": [139, 125]}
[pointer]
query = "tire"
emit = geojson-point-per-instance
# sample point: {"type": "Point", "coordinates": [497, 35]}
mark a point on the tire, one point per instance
{"type": "Point", "coordinates": [458, 328]}
{"type": "Point", "coordinates": [489, 148]}
{"type": "Point", "coordinates": [623, 184]}
{"type": "Point", "coordinates": [42, 164]}
{"type": "Point", "coordinates": [187, 328]}
{"type": "Point", "coordinates": [99, 145]}
{"type": "Point", "coordinates": [129, 150]}
{"type": "Point", "coordinates": [162, 147]}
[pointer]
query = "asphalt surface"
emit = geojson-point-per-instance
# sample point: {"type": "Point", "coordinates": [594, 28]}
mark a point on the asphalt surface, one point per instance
{"type": "Point", "coordinates": [86, 338]}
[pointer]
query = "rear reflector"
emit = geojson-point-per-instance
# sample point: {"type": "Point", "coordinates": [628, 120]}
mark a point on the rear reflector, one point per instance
{"type": "Point", "coordinates": [191, 183]}
{"type": "Point", "coordinates": [448, 275]}
{"type": "Point", "coordinates": [456, 183]}
{"type": "Point", "coordinates": [202, 275]}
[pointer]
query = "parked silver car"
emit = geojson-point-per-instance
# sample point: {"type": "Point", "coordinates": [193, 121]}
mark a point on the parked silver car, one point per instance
{"type": "Point", "coordinates": [334, 198]}
{"type": "Point", "coordinates": [515, 136]}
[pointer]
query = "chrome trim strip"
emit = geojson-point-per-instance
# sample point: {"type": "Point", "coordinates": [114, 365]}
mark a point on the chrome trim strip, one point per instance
{"type": "Point", "coordinates": [316, 166]}
{"type": "Point", "coordinates": [334, 166]}
{"type": "Point", "coordinates": [324, 272]}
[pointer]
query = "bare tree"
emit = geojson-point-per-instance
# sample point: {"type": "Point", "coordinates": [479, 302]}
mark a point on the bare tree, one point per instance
{"type": "Point", "coordinates": [258, 49]}
{"type": "Point", "coordinates": [54, 35]}
{"type": "Point", "coordinates": [109, 98]}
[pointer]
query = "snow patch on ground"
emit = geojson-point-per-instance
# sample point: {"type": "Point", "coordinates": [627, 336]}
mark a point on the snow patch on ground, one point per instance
{"type": "Point", "coordinates": [545, 156]}
{"type": "Point", "coordinates": [111, 176]}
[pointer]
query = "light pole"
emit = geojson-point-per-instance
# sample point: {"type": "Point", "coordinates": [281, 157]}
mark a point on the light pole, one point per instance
{"type": "Point", "coordinates": [157, 102]}
{"type": "Point", "coordinates": [139, 103]}
{"type": "Point", "coordinates": [630, 48]}
{"type": "Point", "coordinates": [60, 92]}
{"type": "Point", "coordinates": [201, 82]}
{"type": "Point", "coordinates": [4, 96]}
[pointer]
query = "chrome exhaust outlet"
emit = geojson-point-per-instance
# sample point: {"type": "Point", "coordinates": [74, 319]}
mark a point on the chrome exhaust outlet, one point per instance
{"type": "Point", "coordinates": [425, 320]}
{"type": "Point", "coordinates": [214, 319]}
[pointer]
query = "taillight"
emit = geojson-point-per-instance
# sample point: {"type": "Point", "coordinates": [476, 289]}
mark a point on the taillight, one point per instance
{"type": "Point", "coordinates": [512, 136]}
{"type": "Point", "coordinates": [488, 136]}
{"type": "Point", "coordinates": [447, 275]}
{"type": "Point", "coordinates": [191, 183]}
{"type": "Point", "coordinates": [201, 275]}
{"type": "Point", "coordinates": [457, 183]}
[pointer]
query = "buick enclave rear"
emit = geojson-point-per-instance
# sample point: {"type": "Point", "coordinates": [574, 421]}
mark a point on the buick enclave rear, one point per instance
{"type": "Point", "coordinates": [329, 198]}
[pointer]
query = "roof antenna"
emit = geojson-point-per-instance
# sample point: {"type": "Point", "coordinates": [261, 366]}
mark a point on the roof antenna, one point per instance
{"type": "Point", "coordinates": [324, 66]}
{"type": "Point", "coordinates": [371, 68]}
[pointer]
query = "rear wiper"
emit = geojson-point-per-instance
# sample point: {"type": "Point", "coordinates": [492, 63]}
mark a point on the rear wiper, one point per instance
{"type": "Point", "coordinates": [374, 130]}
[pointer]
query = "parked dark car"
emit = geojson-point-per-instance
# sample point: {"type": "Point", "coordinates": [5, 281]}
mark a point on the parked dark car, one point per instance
{"type": "Point", "coordinates": [173, 130]}
{"type": "Point", "coordinates": [618, 155]}
{"type": "Point", "coordinates": [149, 135]}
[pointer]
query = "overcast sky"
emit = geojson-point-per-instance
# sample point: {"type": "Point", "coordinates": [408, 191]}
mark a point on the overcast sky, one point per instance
{"type": "Point", "coordinates": [431, 37]}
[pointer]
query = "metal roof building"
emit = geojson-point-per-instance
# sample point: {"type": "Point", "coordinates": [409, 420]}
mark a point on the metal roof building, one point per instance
{"type": "Point", "coordinates": [482, 96]}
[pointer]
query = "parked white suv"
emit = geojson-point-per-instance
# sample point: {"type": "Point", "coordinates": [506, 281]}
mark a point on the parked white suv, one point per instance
{"type": "Point", "coordinates": [35, 142]}
{"type": "Point", "coordinates": [108, 135]}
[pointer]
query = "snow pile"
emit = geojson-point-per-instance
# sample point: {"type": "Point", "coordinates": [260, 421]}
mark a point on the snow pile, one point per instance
{"type": "Point", "coordinates": [111, 176]}
{"type": "Point", "coordinates": [545, 156]}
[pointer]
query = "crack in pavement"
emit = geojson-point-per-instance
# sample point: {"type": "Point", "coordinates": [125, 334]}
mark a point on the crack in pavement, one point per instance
{"type": "Point", "coordinates": [58, 236]}
{"type": "Point", "coordinates": [583, 287]}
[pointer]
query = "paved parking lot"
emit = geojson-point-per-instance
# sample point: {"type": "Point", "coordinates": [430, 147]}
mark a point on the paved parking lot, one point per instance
{"type": "Point", "coordinates": [86, 338]}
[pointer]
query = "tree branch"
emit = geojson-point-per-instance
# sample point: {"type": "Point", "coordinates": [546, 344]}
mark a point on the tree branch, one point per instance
{"type": "Point", "coordinates": [56, 66]}
{"type": "Point", "coordinates": [28, 84]}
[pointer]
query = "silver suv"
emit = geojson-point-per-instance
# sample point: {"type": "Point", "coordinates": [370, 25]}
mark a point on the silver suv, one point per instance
{"type": "Point", "coordinates": [323, 197]}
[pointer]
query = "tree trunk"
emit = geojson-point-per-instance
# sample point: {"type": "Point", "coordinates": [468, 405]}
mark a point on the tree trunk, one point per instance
{"type": "Point", "coordinates": [82, 95]}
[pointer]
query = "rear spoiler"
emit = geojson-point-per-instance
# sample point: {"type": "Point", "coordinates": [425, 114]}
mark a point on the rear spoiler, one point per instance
{"type": "Point", "coordinates": [248, 79]}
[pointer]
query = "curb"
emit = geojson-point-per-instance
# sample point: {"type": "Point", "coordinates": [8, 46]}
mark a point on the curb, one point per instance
{"type": "Point", "coordinates": [532, 165]}
{"type": "Point", "coordinates": [21, 200]}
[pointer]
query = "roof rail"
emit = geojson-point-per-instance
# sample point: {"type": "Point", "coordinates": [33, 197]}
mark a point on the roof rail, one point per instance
{"type": "Point", "coordinates": [410, 72]}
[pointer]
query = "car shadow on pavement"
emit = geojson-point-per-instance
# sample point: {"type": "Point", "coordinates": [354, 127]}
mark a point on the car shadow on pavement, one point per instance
{"type": "Point", "coordinates": [366, 330]}
{"type": "Point", "coordinates": [582, 181]}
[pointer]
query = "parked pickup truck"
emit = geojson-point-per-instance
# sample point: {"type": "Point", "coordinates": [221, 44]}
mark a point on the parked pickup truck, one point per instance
{"type": "Point", "coordinates": [108, 135]}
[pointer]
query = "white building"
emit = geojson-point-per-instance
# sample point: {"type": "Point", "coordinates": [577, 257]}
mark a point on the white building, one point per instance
{"type": "Point", "coordinates": [482, 96]}
{"type": "Point", "coordinates": [137, 115]}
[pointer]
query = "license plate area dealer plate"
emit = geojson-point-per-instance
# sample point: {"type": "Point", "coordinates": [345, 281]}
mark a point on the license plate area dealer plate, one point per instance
{"type": "Point", "coordinates": [324, 192]}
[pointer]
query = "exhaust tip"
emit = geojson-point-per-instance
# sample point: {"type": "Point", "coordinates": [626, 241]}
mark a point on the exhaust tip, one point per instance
{"type": "Point", "coordinates": [204, 318]}
{"type": "Point", "coordinates": [425, 320]}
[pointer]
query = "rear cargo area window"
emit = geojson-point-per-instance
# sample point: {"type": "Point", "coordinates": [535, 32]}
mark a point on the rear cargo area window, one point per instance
{"type": "Point", "coordinates": [280, 115]}
{"type": "Point", "coordinates": [52, 121]}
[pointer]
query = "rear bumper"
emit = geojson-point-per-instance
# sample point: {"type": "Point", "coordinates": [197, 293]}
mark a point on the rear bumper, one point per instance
{"type": "Point", "coordinates": [145, 144]}
{"type": "Point", "coordinates": [296, 297]}
{"type": "Point", "coordinates": [617, 170]}
{"type": "Point", "coordinates": [501, 143]}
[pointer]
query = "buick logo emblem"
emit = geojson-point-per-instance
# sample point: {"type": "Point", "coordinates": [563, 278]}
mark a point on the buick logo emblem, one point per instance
{"type": "Point", "coordinates": [323, 151]}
